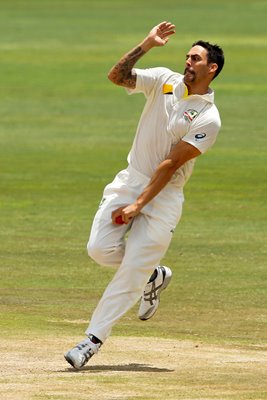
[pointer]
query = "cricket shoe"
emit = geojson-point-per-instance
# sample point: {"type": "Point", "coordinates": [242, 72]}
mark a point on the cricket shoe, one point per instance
{"type": "Point", "coordinates": [151, 296]}
{"type": "Point", "coordinates": [81, 353]}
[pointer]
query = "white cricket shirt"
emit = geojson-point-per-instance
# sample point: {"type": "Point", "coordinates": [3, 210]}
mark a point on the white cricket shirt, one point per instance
{"type": "Point", "coordinates": [170, 115]}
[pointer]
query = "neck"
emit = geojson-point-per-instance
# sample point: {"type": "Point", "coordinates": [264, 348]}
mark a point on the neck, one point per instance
{"type": "Point", "coordinates": [197, 88]}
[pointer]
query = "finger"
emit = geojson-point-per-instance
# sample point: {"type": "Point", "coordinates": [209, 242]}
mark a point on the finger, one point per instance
{"type": "Point", "coordinates": [114, 218]}
{"type": "Point", "coordinates": [168, 29]}
{"type": "Point", "coordinates": [162, 24]}
{"type": "Point", "coordinates": [115, 214]}
{"type": "Point", "coordinates": [169, 25]}
{"type": "Point", "coordinates": [166, 34]}
{"type": "Point", "coordinates": [126, 220]}
{"type": "Point", "coordinates": [166, 25]}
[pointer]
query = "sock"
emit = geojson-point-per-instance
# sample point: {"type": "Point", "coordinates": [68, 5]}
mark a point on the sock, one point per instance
{"type": "Point", "coordinates": [94, 339]}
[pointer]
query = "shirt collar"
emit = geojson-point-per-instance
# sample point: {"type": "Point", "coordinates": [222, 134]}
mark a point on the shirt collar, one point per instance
{"type": "Point", "coordinates": [209, 97]}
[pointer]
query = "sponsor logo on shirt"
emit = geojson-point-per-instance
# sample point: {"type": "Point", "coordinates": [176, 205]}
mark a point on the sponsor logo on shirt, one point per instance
{"type": "Point", "coordinates": [199, 136]}
{"type": "Point", "coordinates": [190, 114]}
{"type": "Point", "coordinates": [167, 89]}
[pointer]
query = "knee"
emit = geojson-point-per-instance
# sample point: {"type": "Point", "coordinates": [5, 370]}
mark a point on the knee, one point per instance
{"type": "Point", "coordinates": [110, 257]}
{"type": "Point", "coordinates": [94, 252]}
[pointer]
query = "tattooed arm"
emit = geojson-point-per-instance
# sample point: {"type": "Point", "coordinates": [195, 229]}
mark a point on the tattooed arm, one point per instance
{"type": "Point", "coordinates": [121, 74]}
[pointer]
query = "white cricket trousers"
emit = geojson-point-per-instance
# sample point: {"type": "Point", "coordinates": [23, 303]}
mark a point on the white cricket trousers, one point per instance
{"type": "Point", "coordinates": [148, 238]}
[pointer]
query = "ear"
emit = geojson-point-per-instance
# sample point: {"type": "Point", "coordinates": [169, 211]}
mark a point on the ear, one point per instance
{"type": "Point", "coordinates": [213, 67]}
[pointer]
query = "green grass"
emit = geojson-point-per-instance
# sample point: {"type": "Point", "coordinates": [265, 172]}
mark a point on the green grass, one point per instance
{"type": "Point", "coordinates": [65, 131]}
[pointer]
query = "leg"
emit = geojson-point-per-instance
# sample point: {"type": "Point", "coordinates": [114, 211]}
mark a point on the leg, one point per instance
{"type": "Point", "coordinates": [147, 243]}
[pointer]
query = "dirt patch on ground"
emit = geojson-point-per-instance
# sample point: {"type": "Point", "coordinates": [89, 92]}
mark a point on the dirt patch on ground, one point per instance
{"type": "Point", "coordinates": [132, 368]}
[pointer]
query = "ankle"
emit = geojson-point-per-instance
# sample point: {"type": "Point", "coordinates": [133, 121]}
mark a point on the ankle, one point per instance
{"type": "Point", "coordinates": [94, 339]}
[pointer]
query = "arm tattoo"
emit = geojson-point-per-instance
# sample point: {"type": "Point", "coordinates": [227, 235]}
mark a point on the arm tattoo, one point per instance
{"type": "Point", "coordinates": [122, 73]}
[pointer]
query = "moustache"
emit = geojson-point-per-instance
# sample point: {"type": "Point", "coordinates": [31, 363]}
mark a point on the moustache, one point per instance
{"type": "Point", "coordinates": [189, 70]}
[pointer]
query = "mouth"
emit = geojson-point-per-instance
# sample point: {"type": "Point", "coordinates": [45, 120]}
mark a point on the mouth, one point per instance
{"type": "Point", "coordinates": [189, 75]}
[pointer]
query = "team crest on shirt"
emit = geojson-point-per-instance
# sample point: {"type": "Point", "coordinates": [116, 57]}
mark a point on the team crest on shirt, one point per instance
{"type": "Point", "coordinates": [190, 114]}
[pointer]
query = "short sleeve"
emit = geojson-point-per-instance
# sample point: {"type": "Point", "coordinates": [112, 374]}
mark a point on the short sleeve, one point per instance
{"type": "Point", "coordinates": [204, 131]}
{"type": "Point", "coordinates": [147, 79]}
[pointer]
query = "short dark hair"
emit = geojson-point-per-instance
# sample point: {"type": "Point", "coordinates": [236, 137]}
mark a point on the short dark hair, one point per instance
{"type": "Point", "coordinates": [215, 54]}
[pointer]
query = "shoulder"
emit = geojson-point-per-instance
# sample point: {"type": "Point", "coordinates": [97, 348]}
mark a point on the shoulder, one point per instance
{"type": "Point", "coordinates": [213, 116]}
{"type": "Point", "coordinates": [208, 120]}
{"type": "Point", "coordinates": [158, 72]}
{"type": "Point", "coordinates": [150, 80]}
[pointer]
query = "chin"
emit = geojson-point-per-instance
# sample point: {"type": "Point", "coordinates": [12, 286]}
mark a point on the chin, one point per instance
{"type": "Point", "coordinates": [187, 81]}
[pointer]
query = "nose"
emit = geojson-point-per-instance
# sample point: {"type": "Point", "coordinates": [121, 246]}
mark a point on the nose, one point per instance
{"type": "Point", "coordinates": [188, 62]}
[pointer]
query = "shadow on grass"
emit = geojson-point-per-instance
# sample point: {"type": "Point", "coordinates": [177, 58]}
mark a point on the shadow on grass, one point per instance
{"type": "Point", "coordinates": [121, 368]}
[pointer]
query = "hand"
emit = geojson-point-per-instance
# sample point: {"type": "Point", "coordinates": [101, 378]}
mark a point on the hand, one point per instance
{"type": "Point", "coordinates": [159, 35]}
{"type": "Point", "coordinates": [125, 214]}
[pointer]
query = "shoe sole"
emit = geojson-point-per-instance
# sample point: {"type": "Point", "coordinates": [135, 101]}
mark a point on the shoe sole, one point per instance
{"type": "Point", "coordinates": [166, 282]}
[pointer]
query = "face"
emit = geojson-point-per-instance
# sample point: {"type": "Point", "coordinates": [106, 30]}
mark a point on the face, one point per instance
{"type": "Point", "coordinates": [197, 68]}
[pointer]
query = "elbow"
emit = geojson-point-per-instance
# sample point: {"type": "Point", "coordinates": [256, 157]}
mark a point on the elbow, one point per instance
{"type": "Point", "coordinates": [113, 77]}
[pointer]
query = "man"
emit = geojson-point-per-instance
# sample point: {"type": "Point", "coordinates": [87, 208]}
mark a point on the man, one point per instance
{"type": "Point", "coordinates": [179, 122]}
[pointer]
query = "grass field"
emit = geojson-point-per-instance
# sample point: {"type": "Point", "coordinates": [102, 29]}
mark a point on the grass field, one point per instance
{"type": "Point", "coordinates": [65, 131]}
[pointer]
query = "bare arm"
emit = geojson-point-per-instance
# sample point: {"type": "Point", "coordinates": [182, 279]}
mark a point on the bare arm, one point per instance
{"type": "Point", "coordinates": [121, 73]}
{"type": "Point", "coordinates": [181, 153]}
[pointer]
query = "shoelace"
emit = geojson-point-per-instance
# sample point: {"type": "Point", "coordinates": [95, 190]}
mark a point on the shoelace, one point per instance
{"type": "Point", "coordinates": [87, 351]}
{"type": "Point", "coordinates": [152, 294]}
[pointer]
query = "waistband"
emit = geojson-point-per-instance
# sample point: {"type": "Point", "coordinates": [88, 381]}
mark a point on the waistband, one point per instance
{"type": "Point", "coordinates": [141, 177]}
{"type": "Point", "coordinates": [146, 179]}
